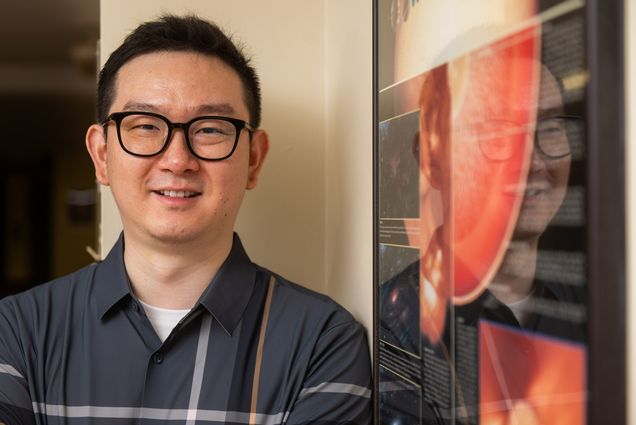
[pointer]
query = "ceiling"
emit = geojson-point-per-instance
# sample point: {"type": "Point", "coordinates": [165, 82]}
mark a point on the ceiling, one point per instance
{"type": "Point", "coordinates": [47, 75]}
{"type": "Point", "coordinates": [48, 46]}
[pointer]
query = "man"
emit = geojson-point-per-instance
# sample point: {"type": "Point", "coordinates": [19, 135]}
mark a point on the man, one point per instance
{"type": "Point", "coordinates": [176, 325]}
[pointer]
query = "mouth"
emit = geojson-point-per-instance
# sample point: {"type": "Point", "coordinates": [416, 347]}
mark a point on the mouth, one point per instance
{"type": "Point", "coordinates": [528, 191]}
{"type": "Point", "coordinates": [177, 193]}
{"type": "Point", "coordinates": [533, 192]}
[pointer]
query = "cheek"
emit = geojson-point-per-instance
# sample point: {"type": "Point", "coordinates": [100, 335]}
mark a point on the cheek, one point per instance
{"type": "Point", "coordinates": [126, 172]}
{"type": "Point", "coordinates": [228, 180]}
{"type": "Point", "coordinates": [240, 165]}
{"type": "Point", "coordinates": [472, 185]}
{"type": "Point", "coordinates": [559, 172]}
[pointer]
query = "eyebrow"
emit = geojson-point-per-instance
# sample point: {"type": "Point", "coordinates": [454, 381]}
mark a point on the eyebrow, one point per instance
{"type": "Point", "coordinates": [216, 108]}
{"type": "Point", "coordinates": [139, 106]}
{"type": "Point", "coordinates": [208, 108]}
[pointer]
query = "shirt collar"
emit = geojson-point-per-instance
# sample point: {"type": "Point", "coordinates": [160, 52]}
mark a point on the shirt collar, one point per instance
{"type": "Point", "coordinates": [111, 279]}
{"type": "Point", "coordinates": [226, 297]}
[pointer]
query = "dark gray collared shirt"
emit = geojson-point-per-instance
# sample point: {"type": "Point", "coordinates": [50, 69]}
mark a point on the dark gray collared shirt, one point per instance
{"type": "Point", "coordinates": [255, 349]}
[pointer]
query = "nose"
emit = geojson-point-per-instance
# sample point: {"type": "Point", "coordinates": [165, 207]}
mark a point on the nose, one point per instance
{"type": "Point", "coordinates": [177, 157]}
{"type": "Point", "coordinates": [537, 160]}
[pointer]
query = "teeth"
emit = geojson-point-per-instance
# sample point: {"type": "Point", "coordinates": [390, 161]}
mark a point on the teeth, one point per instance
{"type": "Point", "coordinates": [177, 194]}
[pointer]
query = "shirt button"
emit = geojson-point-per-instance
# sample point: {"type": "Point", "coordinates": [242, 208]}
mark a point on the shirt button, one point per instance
{"type": "Point", "coordinates": [157, 358]}
{"type": "Point", "coordinates": [134, 306]}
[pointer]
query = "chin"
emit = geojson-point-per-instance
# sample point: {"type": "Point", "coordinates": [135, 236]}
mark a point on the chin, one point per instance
{"type": "Point", "coordinates": [175, 235]}
{"type": "Point", "coordinates": [533, 221]}
{"type": "Point", "coordinates": [528, 230]}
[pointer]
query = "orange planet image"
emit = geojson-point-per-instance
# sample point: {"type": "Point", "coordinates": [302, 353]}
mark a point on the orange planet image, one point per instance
{"type": "Point", "coordinates": [477, 122]}
{"type": "Point", "coordinates": [493, 120]}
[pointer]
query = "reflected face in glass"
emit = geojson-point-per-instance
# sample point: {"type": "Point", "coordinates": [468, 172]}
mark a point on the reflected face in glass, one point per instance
{"type": "Point", "coordinates": [550, 164]}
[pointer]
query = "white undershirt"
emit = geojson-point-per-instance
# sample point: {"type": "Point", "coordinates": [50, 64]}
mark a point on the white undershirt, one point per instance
{"type": "Point", "coordinates": [163, 320]}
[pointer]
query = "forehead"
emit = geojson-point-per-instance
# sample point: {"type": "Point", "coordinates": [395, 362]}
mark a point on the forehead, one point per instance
{"type": "Point", "coordinates": [501, 98]}
{"type": "Point", "coordinates": [179, 83]}
{"type": "Point", "coordinates": [550, 97]}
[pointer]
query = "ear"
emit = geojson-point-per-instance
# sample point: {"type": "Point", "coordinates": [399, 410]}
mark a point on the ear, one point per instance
{"type": "Point", "coordinates": [259, 146]}
{"type": "Point", "coordinates": [435, 128]}
{"type": "Point", "coordinates": [428, 160]}
{"type": "Point", "coordinates": [96, 146]}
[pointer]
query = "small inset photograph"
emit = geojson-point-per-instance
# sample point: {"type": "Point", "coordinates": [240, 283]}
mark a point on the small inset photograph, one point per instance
{"type": "Point", "coordinates": [398, 167]}
{"type": "Point", "coordinates": [400, 400]}
{"type": "Point", "coordinates": [398, 297]}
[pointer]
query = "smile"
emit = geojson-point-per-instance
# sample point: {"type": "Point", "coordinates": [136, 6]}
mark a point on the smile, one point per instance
{"type": "Point", "coordinates": [177, 193]}
{"type": "Point", "coordinates": [529, 190]}
{"type": "Point", "coordinates": [533, 192]}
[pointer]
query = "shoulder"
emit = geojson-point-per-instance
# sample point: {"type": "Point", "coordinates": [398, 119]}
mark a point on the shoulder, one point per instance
{"type": "Point", "coordinates": [30, 320]}
{"type": "Point", "coordinates": [317, 350]}
{"type": "Point", "coordinates": [39, 303]}
{"type": "Point", "coordinates": [299, 303]}
{"type": "Point", "coordinates": [307, 317]}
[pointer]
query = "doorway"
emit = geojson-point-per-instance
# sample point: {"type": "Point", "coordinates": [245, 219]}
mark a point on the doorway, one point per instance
{"type": "Point", "coordinates": [48, 63]}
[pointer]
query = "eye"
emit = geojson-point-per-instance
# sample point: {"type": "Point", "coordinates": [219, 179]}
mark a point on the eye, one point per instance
{"type": "Point", "coordinates": [211, 130]}
{"type": "Point", "coordinates": [551, 126]}
{"type": "Point", "coordinates": [142, 124]}
{"type": "Point", "coordinates": [147, 127]}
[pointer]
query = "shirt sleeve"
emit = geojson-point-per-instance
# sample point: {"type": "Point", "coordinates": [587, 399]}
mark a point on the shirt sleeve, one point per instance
{"type": "Point", "coordinates": [15, 402]}
{"type": "Point", "coordinates": [337, 388]}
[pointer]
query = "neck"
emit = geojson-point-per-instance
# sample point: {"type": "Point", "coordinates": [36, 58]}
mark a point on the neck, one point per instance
{"type": "Point", "coordinates": [514, 279]}
{"type": "Point", "coordinates": [173, 276]}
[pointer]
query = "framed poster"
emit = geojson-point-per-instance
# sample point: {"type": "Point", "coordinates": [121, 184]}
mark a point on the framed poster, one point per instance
{"type": "Point", "coordinates": [498, 212]}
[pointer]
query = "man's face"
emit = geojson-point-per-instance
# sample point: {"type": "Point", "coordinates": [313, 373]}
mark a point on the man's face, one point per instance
{"type": "Point", "coordinates": [180, 86]}
{"type": "Point", "coordinates": [547, 177]}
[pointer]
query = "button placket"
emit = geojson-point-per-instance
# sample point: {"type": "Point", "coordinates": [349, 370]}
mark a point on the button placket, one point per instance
{"type": "Point", "coordinates": [134, 306]}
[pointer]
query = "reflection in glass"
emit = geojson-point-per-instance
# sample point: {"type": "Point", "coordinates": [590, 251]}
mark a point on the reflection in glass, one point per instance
{"type": "Point", "coordinates": [500, 274]}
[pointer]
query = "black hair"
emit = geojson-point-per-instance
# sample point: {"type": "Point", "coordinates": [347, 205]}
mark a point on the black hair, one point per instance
{"type": "Point", "coordinates": [176, 34]}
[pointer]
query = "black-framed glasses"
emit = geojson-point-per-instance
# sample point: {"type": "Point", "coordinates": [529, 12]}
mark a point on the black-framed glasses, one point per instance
{"type": "Point", "coordinates": [145, 134]}
{"type": "Point", "coordinates": [555, 137]}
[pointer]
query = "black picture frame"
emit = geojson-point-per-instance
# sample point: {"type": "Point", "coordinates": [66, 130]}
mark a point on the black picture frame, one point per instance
{"type": "Point", "coordinates": [606, 212]}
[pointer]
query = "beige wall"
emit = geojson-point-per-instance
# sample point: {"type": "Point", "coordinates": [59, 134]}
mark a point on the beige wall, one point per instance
{"type": "Point", "coordinates": [310, 217]}
{"type": "Point", "coordinates": [349, 171]}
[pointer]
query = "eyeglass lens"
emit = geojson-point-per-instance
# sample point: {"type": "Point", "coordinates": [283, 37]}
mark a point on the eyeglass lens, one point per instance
{"type": "Point", "coordinates": [553, 135]}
